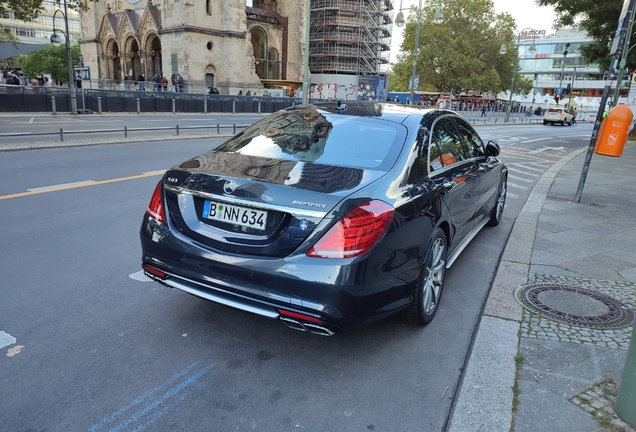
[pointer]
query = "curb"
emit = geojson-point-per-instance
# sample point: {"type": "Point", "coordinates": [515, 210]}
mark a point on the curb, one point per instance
{"type": "Point", "coordinates": [485, 396]}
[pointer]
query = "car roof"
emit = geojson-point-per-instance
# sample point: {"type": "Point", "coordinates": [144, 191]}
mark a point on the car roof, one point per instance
{"type": "Point", "coordinates": [387, 111]}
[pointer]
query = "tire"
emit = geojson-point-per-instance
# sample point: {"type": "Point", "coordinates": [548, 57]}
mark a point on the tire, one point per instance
{"type": "Point", "coordinates": [545, 122]}
{"type": "Point", "coordinates": [497, 211]}
{"type": "Point", "coordinates": [563, 123]}
{"type": "Point", "coordinates": [430, 283]}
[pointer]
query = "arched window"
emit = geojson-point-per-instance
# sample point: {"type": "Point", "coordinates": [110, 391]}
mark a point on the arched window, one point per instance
{"type": "Point", "coordinates": [259, 44]}
{"type": "Point", "coordinates": [273, 64]}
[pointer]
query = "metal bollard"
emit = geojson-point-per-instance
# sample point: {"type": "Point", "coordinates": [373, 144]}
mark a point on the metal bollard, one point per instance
{"type": "Point", "coordinates": [53, 105]}
{"type": "Point", "coordinates": [205, 104]}
{"type": "Point", "coordinates": [259, 107]}
{"type": "Point", "coordinates": [174, 109]}
{"type": "Point", "coordinates": [99, 104]}
{"type": "Point", "coordinates": [125, 131]}
{"type": "Point", "coordinates": [218, 129]}
{"type": "Point", "coordinates": [138, 106]}
{"type": "Point", "coordinates": [177, 130]}
{"type": "Point", "coordinates": [233, 107]}
{"type": "Point", "coordinates": [625, 405]}
{"type": "Point", "coordinates": [61, 135]}
{"type": "Point", "coordinates": [234, 128]}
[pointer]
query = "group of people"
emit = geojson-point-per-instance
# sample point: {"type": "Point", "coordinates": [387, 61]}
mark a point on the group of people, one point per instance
{"type": "Point", "coordinates": [161, 83]}
{"type": "Point", "coordinates": [12, 77]}
{"type": "Point", "coordinates": [212, 90]}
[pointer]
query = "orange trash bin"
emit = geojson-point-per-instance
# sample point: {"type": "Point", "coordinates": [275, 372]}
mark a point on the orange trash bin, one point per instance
{"type": "Point", "coordinates": [613, 136]}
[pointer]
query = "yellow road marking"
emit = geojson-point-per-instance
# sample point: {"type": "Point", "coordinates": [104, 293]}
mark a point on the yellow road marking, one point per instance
{"type": "Point", "coordinates": [79, 185]}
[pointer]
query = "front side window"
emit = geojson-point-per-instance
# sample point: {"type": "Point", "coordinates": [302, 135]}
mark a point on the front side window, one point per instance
{"type": "Point", "coordinates": [450, 143]}
{"type": "Point", "coordinates": [473, 141]}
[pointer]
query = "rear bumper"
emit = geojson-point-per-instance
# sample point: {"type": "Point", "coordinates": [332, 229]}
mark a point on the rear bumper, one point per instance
{"type": "Point", "coordinates": [341, 294]}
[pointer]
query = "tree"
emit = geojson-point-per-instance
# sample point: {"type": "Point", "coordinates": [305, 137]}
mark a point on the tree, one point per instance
{"type": "Point", "coordinates": [51, 60]}
{"type": "Point", "coordinates": [599, 19]}
{"type": "Point", "coordinates": [25, 9]}
{"type": "Point", "coordinates": [462, 53]}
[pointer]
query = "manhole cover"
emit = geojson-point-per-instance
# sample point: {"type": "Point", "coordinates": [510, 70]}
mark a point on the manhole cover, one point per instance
{"type": "Point", "coordinates": [575, 305]}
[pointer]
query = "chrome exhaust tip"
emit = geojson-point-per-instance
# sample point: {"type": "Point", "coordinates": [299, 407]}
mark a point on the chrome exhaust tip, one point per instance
{"type": "Point", "coordinates": [304, 326]}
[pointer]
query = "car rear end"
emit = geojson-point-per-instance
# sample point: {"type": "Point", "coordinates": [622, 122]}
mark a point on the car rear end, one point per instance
{"type": "Point", "coordinates": [282, 221]}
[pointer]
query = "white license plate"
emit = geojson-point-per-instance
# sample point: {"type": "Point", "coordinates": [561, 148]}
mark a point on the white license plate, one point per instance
{"type": "Point", "coordinates": [243, 216]}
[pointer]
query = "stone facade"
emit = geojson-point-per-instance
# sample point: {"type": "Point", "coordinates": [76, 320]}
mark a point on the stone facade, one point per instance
{"type": "Point", "coordinates": [207, 42]}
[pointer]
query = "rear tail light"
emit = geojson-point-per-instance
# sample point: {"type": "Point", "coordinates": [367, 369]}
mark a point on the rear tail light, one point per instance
{"type": "Point", "coordinates": [355, 233]}
{"type": "Point", "coordinates": [155, 208]}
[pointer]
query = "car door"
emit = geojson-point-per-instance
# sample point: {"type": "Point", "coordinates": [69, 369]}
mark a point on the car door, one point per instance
{"type": "Point", "coordinates": [453, 167]}
{"type": "Point", "coordinates": [489, 169]}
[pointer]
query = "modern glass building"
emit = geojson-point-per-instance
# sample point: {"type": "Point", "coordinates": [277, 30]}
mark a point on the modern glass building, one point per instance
{"type": "Point", "coordinates": [39, 27]}
{"type": "Point", "coordinates": [549, 69]}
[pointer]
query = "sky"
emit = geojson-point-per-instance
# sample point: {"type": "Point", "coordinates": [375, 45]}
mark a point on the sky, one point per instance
{"type": "Point", "coordinates": [525, 13]}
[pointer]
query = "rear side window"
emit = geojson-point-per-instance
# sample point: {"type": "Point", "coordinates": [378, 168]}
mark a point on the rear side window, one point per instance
{"type": "Point", "coordinates": [316, 136]}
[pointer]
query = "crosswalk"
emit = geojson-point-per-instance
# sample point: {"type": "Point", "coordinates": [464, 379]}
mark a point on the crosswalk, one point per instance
{"type": "Point", "coordinates": [523, 175]}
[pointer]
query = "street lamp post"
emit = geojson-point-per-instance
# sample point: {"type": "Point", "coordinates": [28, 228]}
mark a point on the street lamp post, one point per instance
{"type": "Point", "coordinates": [56, 41]}
{"type": "Point", "coordinates": [503, 50]}
{"type": "Point", "coordinates": [565, 54]}
{"type": "Point", "coordinates": [438, 18]}
{"type": "Point", "coordinates": [576, 65]}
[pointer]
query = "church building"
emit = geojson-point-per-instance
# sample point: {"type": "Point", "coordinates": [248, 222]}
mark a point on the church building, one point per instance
{"type": "Point", "coordinates": [235, 47]}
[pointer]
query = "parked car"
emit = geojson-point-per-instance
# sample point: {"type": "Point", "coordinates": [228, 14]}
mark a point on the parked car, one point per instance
{"type": "Point", "coordinates": [558, 115]}
{"type": "Point", "coordinates": [326, 216]}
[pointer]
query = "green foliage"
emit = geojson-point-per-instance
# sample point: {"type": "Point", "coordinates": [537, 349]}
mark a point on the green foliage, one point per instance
{"type": "Point", "coordinates": [462, 53]}
{"type": "Point", "coordinates": [25, 9]}
{"type": "Point", "coordinates": [599, 19]}
{"type": "Point", "coordinates": [51, 60]}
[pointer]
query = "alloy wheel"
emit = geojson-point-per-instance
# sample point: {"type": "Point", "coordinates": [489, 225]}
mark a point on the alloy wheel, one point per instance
{"type": "Point", "coordinates": [435, 268]}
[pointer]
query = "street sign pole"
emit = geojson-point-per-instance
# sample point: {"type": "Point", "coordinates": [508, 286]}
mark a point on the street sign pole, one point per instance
{"type": "Point", "coordinates": [617, 47]}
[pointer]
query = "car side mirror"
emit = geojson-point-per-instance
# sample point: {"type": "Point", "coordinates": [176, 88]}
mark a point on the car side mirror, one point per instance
{"type": "Point", "coordinates": [492, 148]}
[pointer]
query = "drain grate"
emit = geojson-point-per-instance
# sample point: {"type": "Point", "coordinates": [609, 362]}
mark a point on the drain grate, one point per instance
{"type": "Point", "coordinates": [575, 305]}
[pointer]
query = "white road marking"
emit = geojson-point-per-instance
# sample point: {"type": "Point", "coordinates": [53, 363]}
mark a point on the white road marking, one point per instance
{"type": "Point", "coordinates": [140, 276]}
{"type": "Point", "coordinates": [537, 139]}
{"type": "Point", "coordinates": [523, 172]}
{"type": "Point", "coordinates": [61, 185]}
{"type": "Point", "coordinates": [511, 195]}
{"type": "Point", "coordinates": [6, 339]}
{"type": "Point", "coordinates": [516, 186]}
{"type": "Point", "coordinates": [519, 178]}
{"type": "Point", "coordinates": [548, 148]}
{"type": "Point", "coordinates": [524, 165]}
{"type": "Point", "coordinates": [16, 133]}
{"type": "Point", "coordinates": [539, 164]}
{"type": "Point", "coordinates": [31, 121]}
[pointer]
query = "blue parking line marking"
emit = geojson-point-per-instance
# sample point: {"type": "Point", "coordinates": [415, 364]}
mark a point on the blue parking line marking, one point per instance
{"type": "Point", "coordinates": [174, 390]}
{"type": "Point", "coordinates": [167, 395]}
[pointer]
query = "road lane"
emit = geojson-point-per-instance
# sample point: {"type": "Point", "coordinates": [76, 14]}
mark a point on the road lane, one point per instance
{"type": "Point", "coordinates": [100, 350]}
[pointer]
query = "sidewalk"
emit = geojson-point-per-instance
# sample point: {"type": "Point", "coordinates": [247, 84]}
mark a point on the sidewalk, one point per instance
{"type": "Point", "coordinates": [545, 366]}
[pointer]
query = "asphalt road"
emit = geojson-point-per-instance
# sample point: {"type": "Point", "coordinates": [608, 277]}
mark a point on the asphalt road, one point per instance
{"type": "Point", "coordinates": [98, 349]}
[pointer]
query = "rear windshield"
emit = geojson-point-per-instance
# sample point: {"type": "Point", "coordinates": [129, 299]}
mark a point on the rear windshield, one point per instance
{"type": "Point", "coordinates": [557, 111]}
{"type": "Point", "coordinates": [312, 135]}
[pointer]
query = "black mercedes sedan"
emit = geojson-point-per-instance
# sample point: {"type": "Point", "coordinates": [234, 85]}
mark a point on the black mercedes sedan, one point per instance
{"type": "Point", "coordinates": [326, 216]}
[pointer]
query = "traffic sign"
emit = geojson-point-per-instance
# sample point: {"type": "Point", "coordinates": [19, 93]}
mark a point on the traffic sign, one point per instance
{"type": "Point", "coordinates": [559, 91]}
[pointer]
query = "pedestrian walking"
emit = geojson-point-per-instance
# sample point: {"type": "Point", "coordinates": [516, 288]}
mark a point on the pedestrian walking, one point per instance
{"type": "Point", "coordinates": [142, 82]}
{"type": "Point", "coordinates": [483, 111]}
{"type": "Point", "coordinates": [164, 84]}
{"type": "Point", "coordinates": [156, 82]}
{"type": "Point", "coordinates": [126, 83]}
{"type": "Point", "coordinates": [180, 83]}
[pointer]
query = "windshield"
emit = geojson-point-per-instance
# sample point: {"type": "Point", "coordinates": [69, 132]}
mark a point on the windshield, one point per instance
{"type": "Point", "coordinates": [312, 135]}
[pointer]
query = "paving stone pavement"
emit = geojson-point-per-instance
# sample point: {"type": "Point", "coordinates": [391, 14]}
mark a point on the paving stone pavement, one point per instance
{"type": "Point", "coordinates": [567, 375]}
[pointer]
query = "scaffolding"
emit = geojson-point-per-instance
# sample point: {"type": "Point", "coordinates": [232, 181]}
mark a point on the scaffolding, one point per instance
{"type": "Point", "coordinates": [350, 36]}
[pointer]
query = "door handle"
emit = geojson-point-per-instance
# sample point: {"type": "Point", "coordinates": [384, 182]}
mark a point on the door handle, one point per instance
{"type": "Point", "coordinates": [448, 185]}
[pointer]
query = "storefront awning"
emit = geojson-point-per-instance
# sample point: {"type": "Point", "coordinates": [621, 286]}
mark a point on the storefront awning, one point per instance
{"type": "Point", "coordinates": [281, 83]}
